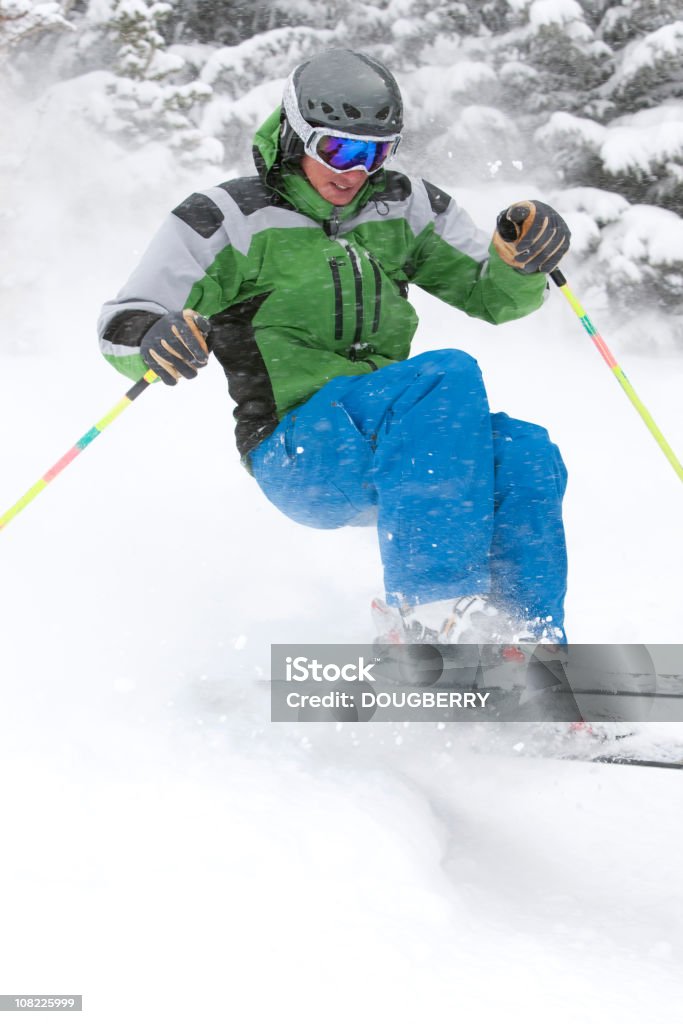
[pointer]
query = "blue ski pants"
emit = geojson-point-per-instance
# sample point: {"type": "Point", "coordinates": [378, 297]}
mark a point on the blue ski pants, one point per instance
{"type": "Point", "coordinates": [465, 501]}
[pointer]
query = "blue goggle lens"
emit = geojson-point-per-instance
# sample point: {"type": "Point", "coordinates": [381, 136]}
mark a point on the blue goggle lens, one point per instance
{"type": "Point", "coordinates": [343, 154]}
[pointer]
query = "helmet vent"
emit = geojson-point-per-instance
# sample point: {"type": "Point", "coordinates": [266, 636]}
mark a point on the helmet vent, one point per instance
{"type": "Point", "coordinates": [382, 114]}
{"type": "Point", "coordinates": [327, 109]}
{"type": "Point", "coordinates": [351, 111]}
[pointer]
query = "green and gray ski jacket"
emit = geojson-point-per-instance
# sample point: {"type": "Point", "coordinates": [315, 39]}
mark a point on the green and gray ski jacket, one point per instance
{"type": "Point", "coordinates": [299, 291]}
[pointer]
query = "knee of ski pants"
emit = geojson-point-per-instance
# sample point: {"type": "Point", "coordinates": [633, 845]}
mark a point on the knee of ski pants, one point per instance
{"type": "Point", "coordinates": [437, 387]}
{"type": "Point", "coordinates": [315, 467]}
{"type": "Point", "coordinates": [526, 451]}
{"type": "Point", "coordinates": [445, 362]}
{"type": "Point", "coordinates": [445, 359]}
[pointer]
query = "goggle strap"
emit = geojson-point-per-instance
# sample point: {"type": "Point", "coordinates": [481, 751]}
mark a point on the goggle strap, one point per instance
{"type": "Point", "coordinates": [351, 136]}
{"type": "Point", "coordinates": [301, 127]}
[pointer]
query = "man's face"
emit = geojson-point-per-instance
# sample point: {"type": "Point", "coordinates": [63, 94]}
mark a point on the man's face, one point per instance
{"type": "Point", "coordinates": [338, 189]}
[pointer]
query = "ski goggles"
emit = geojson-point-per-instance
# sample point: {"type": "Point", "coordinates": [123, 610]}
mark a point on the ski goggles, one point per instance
{"type": "Point", "coordinates": [341, 152]}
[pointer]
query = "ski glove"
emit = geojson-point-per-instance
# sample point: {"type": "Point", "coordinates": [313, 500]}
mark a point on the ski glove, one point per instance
{"type": "Point", "coordinates": [175, 345]}
{"type": "Point", "coordinates": [531, 237]}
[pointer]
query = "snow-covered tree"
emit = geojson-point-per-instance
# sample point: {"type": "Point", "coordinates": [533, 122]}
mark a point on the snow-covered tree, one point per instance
{"type": "Point", "coordinates": [152, 93]}
{"type": "Point", "coordinates": [586, 95]}
{"type": "Point", "coordinates": [590, 95]}
{"type": "Point", "coordinates": [556, 40]}
{"type": "Point", "coordinates": [629, 136]}
{"type": "Point", "coordinates": [142, 54]}
{"type": "Point", "coordinates": [22, 20]}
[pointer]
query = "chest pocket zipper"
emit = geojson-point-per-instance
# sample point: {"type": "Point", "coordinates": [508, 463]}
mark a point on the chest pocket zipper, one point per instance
{"type": "Point", "coordinates": [378, 292]}
{"type": "Point", "coordinates": [358, 289]}
{"type": "Point", "coordinates": [338, 300]}
{"type": "Point", "coordinates": [355, 352]}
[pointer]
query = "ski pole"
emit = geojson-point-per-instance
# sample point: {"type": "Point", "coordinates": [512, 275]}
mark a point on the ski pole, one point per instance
{"type": "Point", "coordinates": [82, 443]}
{"type": "Point", "coordinates": [599, 342]}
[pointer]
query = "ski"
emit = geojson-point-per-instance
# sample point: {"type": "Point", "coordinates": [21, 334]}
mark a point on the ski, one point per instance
{"type": "Point", "coordinates": [636, 762]}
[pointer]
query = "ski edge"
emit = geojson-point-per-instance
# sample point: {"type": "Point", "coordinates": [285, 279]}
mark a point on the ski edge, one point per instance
{"type": "Point", "coordinates": [635, 762]}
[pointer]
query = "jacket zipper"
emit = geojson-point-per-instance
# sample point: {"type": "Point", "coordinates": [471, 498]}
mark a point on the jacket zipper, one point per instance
{"type": "Point", "coordinates": [338, 300]}
{"type": "Point", "coordinates": [358, 287]}
{"type": "Point", "coordinates": [378, 292]}
{"type": "Point", "coordinates": [332, 225]}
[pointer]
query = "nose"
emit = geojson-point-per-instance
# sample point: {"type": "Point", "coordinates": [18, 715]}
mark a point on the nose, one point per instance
{"type": "Point", "coordinates": [352, 177]}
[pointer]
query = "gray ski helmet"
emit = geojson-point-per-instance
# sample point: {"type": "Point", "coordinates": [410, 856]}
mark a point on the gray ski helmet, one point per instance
{"type": "Point", "coordinates": [344, 91]}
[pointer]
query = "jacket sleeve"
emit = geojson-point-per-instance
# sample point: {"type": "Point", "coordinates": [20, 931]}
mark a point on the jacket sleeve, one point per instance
{"type": "Point", "coordinates": [189, 262]}
{"type": "Point", "coordinates": [454, 260]}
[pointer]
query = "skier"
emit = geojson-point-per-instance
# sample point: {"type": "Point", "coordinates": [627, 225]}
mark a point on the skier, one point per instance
{"type": "Point", "coordinates": [297, 280]}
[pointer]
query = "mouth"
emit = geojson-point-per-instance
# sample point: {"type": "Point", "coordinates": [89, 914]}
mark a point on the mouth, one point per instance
{"type": "Point", "coordinates": [342, 188]}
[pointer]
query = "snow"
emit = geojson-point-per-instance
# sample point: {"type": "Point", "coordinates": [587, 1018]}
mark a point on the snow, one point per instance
{"type": "Point", "coordinates": [469, 74]}
{"type": "Point", "coordinates": [666, 43]}
{"type": "Point", "coordinates": [646, 234]}
{"type": "Point", "coordinates": [514, 71]}
{"type": "Point", "coordinates": [586, 211]}
{"type": "Point", "coordinates": [404, 28]}
{"type": "Point", "coordinates": [444, 50]}
{"type": "Point", "coordinates": [582, 128]}
{"type": "Point", "coordinates": [99, 11]}
{"type": "Point", "coordinates": [639, 247]}
{"type": "Point", "coordinates": [21, 18]}
{"type": "Point", "coordinates": [476, 118]}
{"type": "Point", "coordinates": [435, 91]}
{"type": "Point", "coordinates": [249, 110]}
{"type": "Point", "coordinates": [640, 148]}
{"type": "Point", "coordinates": [267, 55]}
{"type": "Point", "coordinates": [554, 12]}
{"type": "Point", "coordinates": [171, 854]}
{"type": "Point", "coordinates": [672, 110]}
{"type": "Point", "coordinates": [629, 148]}
{"type": "Point", "coordinates": [601, 205]}
{"type": "Point", "coordinates": [400, 9]}
{"type": "Point", "coordinates": [585, 231]}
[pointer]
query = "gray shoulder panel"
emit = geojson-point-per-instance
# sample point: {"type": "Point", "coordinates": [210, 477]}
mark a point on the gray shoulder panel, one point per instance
{"type": "Point", "coordinates": [457, 228]}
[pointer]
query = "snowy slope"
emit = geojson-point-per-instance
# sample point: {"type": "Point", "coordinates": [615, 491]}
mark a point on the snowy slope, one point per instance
{"type": "Point", "coordinates": [171, 854]}
{"type": "Point", "coordinates": [187, 861]}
